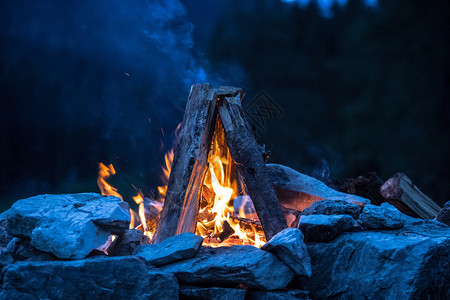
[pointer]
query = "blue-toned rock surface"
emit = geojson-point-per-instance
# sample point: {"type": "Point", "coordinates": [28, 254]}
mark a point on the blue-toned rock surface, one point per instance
{"type": "Point", "coordinates": [68, 226]}
{"type": "Point", "coordinates": [172, 249]}
{"type": "Point", "coordinates": [125, 277]}
{"type": "Point", "coordinates": [385, 216]}
{"type": "Point", "coordinates": [324, 228]}
{"type": "Point", "coordinates": [277, 295]}
{"type": "Point", "coordinates": [410, 263]}
{"type": "Point", "coordinates": [127, 242]}
{"type": "Point", "coordinates": [444, 214]}
{"type": "Point", "coordinates": [289, 247]}
{"type": "Point", "coordinates": [207, 293]}
{"type": "Point", "coordinates": [234, 265]}
{"type": "Point", "coordinates": [333, 207]}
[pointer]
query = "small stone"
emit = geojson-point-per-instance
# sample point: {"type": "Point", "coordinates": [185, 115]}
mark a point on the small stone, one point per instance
{"type": "Point", "coordinates": [126, 277]}
{"type": "Point", "coordinates": [323, 228]}
{"type": "Point", "coordinates": [175, 248]}
{"type": "Point", "coordinates": [22, 250]}
{"type": "Point", "coordinates": [277, 295]}
{"type": "Point", "coordinates": [289, 247]}
{"type": "Point", "coordinates": [69, 226]}
{"type": "Point", "coordinates": [127, 242]}
{"type": "Point", "coordinates": [233, 265]}
{"type": "Point", "coordinates": [333, 207]}
{"type": "Point", "coordinates": [206, 293]}
{"type": "Point", "coordinates": [385, 216]}
{"type": "Point", "coordinates": [444, 214]}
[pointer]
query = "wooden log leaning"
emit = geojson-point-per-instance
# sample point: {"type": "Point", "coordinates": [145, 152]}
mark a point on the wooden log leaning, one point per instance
{"type": "Point", "coordinates": [247, 156]}
{"type": "Point", "coordinates": [399, 190]}
{"type": "Point", "coordinates": [189, 167]}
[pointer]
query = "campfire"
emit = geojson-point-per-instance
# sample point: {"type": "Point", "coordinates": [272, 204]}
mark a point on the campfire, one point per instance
{"type": "Point", "coordinates": [227, 224]}
{"type": "Point", "coordinates": [211, 190]}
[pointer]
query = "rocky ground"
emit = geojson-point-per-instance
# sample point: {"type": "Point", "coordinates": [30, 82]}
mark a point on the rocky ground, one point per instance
{"type": "Point", "coordinates": [59, 247]}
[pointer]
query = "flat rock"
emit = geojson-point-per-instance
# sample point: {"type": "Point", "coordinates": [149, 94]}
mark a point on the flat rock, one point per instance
{"type": "Point", "coordinates": [444, 214]}
{"type": "Point", "coordinates": [333, 207]}
{"type": "Point", "coordinates": [69, 226]}
{"type": "Point", "coordinates": [277, 295]}
{"type": "Point", "coordinates": [124, 277]}
{"type": "Point", "coordinates": [172, 249]}
{"type": "Point", "coordinates": [323, 228]}
{"type": "Point", "coordinates": [289, 247]}
{"type": "Point", "coordinates": [410, 263]}
{"type": "Point", "coordinates": [127, 242]}
{"type": "Point", "coordinates": [207, 293]}
{"type": "Point", "coordinates": [231, 266]}
{"type": "Point", "coordinates": [381, 217]}
{"type": "Point", "coordinates": [294, 189]}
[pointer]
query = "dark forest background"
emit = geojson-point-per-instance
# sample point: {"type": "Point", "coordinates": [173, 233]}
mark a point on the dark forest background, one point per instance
{"type": "Point", "coordinates": [363, 87]}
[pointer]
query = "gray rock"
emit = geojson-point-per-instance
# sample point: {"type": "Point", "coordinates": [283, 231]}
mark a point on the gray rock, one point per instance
{"type": "Point", "coordinates": [288, 179]}
{"type": "Point", "coordinates": [22, 250]}
{"type": "Point", "coordinates": [323, 228]}
{"type": "Point", "coordinates": [333, 207]}
{"type": "Point", "coordinates": [69, 226]}
{"type": "Point", "coordinates": [5, 238]}
{"type": "Point", "coordinates": [124, 277]}
{"type": "Point", "coordinates": [152, 208]}
{"type": "Point", "coordinates": [444, 214]}
{"type": "Point", "coordinates": [289, 247]}
{"type": "Point", "coordinates": [410, 263]}
{"type": "Point", "coordinates": [207, 293]}
{"type": "Point", "coordinates": [381, 217]}
{"type": "Point", "coordinates": [127, 242]}
{"type": "Point", "coordinates": [277, 295]}
{"type": "Point", "coordinates": [175, 248]}
{"type": "Point", "coordinates": [234, 265]}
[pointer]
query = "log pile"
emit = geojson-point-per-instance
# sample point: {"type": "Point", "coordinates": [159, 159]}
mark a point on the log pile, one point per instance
{"type": "Point", "coordinates": [205, 108]}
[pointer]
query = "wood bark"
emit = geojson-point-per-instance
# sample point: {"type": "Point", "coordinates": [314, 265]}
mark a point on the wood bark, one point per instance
{"type": "Point", "coordinates": [247, 156]}
{"type": "Point", "coordinates": [189, 166]}
{"type": "Point", "coordinates": [399, 190]}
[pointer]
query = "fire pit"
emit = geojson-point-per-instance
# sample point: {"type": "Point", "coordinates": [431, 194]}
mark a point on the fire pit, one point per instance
{"type": "Point", "coordinates": [226, 225]}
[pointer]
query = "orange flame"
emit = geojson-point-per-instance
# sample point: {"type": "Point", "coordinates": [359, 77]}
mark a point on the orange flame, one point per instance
{"type": "Point", "coordinates": [166, 169]}
{"type": "Point", "coordinates": [219, 180]}
{"type": "Point", "coordinates": [104, 172]}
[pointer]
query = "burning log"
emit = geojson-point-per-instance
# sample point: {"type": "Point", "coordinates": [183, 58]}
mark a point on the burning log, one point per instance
{"type": "Point", "coordinates": [189, 165]}
{"type": "Point", "coordinates": [401, 192]}
{"type": "Point", "coordinates": [249, 162]}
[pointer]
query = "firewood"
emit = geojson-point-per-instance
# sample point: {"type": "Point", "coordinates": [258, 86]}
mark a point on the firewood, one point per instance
{"type": "Point", "coordinates": [190, 164]}
{"type": "Point", "coordinates": [400, 189]}
{"type": "Point", "coordinates": [226, 233]}
{"type": "Point", "coordinates": [367, 187]}
{"type": "Point", "coordinates": [246, 154]}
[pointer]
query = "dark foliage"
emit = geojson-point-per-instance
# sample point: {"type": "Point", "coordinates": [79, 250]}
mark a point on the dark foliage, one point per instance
{"type": "Point", "coordinates": [364, 90]}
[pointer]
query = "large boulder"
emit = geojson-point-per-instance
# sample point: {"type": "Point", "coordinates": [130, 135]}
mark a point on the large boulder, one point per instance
{"type": "Point", "coordinates": [385, 216]}
{"type": "Point", "coordinates": [69, 226]}
{"type": "Point", "coordinates": [289, 247]}
{"type": "Point", "coordinates": [231, 266]}
{"type": "Point", "coordinates": [410, 263]}
{"type": "Point", "coordinates": [333, 207]}
{"type": "Point", "coordinates": [172, 249]}
{"type": "Point", "coordinates": [298, 191]}
{"type": "Point", "coordinates": [324, 228]}
{"type": "Point", "coordinates": [125, 277]}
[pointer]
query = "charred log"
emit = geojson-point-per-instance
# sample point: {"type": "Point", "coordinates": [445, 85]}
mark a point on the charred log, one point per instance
{"type": "Point", "coordinates": [249, 162]}
{"type": "Point", "coordinates": [189, 166]}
